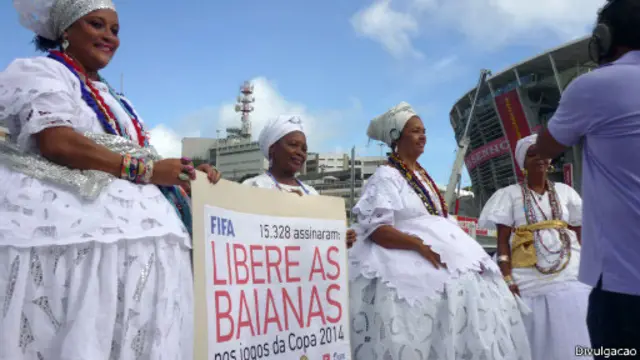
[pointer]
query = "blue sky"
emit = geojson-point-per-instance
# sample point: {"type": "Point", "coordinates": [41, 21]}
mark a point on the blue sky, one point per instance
{"type": "Point", "coordinates": [337, 63]}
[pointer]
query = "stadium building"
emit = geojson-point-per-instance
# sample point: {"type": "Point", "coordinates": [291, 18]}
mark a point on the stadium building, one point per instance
{"type": "Point", "coordinates": [513, 104]}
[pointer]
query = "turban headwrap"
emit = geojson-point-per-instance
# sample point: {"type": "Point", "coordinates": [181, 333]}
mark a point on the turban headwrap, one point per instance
{"type": "Point", "coordinates": [276, 129]}
{"type": "Point", "coordinates": [522, 146]}
{"type": "Point", "coordinates": [50, 18]}
{"type": "Point", "coordinates": [388, 126]}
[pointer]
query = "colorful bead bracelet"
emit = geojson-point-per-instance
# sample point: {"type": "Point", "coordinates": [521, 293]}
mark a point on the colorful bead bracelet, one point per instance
{"type": "Point", "coordinates": [136, 170]}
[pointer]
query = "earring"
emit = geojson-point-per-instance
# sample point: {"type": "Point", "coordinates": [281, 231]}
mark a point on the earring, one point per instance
{"type": "Point", "coordinates": [65, 45]}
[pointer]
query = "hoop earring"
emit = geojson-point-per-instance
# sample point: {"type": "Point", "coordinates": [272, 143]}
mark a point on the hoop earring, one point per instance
{"type": "Point", "coordinates": [64, 45]}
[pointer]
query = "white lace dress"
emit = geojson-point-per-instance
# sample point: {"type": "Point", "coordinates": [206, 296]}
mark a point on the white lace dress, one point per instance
{"type": "Point", "coordinates": [557, 323]}
{"type": "Point", "coordinates": [404, 308]}
{"type": "Point", "coordinates": [79, 280]}
{"type": "Point", "coordinates": [265, 181]}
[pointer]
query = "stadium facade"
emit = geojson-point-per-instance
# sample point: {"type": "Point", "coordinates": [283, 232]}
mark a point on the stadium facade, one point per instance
{"type": "Point", "coordinates": [513, 104]}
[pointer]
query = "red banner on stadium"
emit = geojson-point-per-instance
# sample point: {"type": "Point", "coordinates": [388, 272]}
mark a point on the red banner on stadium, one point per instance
{"type": "Point", "coordinates": [514, 121]}
{"type": "Point", "coordinates": [567, 170]}
{"type": "Point", "coordinates": [487, 152]}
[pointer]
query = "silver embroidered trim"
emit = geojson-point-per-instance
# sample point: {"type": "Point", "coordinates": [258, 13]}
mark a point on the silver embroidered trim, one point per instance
{"type": "Point", "coordinates": [43, 303]}
{"type": "Point", "coordinates": [11, 285]}
{"type": "Point", "coordinates": [115, 350]}
{"type": "Point", "coordinates": [82, 253]}
{"type": "Point", "coordinates": [26, 335]}
{"type": "Point", "coordinates": [87, 183]}
{"type": "Point", "coordinates": [56, 252]}
{"type": "Point", "coordinates": [65, 12]}
{"type": "Point", "coordinates": [144, 276]}
{"type": "Point", "coordinates": [35, 268]}
{"type": "Point", "coordinates": [130, 315]}
{"type": "Point", "coordinates": [138, 344]}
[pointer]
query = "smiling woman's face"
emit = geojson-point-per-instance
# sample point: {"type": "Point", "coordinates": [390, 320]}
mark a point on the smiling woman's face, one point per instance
{"type": "Point", "coordinates": [290, 152]}
{"type": "Point", "coordinates": [413, 138]}
{"type": "Point", "coordinates": [533, 163]}
{"type": "Point", "coordinates": [93, 39]}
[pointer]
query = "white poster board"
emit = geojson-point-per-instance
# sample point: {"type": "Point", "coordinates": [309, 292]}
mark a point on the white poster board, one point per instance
{"type": "Point", "coordinates": [270, 274]}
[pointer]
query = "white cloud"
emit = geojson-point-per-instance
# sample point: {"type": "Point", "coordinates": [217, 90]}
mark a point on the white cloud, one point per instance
{"type": "Point", "coordinates": [269, 102]}
{"type": "Point", "coordinates": [485, 23]}
{"type": "Point", "coordinates": [445, 62]}
{"type": "Point", "coordinates": [166, 141]}
{"type": "Point", "coordinates": [393, 29]}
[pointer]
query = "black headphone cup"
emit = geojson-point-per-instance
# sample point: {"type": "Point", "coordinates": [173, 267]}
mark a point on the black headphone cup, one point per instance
{"type": "Point", "coordinates": [601, 42]}
{"type": "Point", "coordinates": [394, 134]}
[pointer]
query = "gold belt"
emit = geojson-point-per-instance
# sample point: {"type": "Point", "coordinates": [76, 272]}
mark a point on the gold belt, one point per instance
{"type": "Point", "coordinates": [523, 251]}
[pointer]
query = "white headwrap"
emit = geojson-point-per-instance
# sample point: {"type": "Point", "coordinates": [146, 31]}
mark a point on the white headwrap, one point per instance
{"type": "Point", "coordinates": [276, 129]}
{"type": "Point", "coordinates": [522, 146]}
{"type": "Point", "coordinates": [50, 18]}
{"type": "Point", "coordinates": [388, 126]}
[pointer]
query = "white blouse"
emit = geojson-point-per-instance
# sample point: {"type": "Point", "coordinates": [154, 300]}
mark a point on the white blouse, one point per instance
{"type": "Point", "coordinates": [40, 93]}
{"type": "Point", "coordinates": [506, 207]}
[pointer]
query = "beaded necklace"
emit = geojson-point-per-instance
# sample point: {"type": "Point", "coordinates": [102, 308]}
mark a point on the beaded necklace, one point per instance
{"type": "Point", "coordinates": [564, 254]}
{"type": "Point", "coordinates": [280, 187]}
{"type": "Point", "coordinates": [174, 194]}
{"type": "Point", "coordinates": [92, 97]}
{"type": "Point", "coordinates": [418, 186]}
{"type": "Point", "coordinates": [143, 135]}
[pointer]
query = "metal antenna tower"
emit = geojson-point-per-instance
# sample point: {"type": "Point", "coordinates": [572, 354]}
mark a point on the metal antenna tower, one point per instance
{"type": "Point", "coordinates": [244, 106]}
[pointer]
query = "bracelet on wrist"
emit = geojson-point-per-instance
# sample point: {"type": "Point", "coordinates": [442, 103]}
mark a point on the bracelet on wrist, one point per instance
{"type": "Point", "coordinates": [136, 170]}
{"type": "Point", "coordinates": [504, 259]}
{"type": "Point", "coordinates": [509, 280]}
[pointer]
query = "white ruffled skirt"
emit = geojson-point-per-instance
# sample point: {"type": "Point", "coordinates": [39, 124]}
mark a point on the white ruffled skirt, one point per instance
{"type": "Point", "coordinates": [476, 317]}
{"type": "Point", "coordinates": [403, 308]}
{"type": "Point", "coordinates": [79, 280]}
{"type": "Point", "coordinates": [558, 321]}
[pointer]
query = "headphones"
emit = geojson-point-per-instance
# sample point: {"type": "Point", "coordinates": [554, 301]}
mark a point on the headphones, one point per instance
{"type": "Point", "coordinates": [601, 43]}
{"type": "Point", "coordinates": [394, 134]}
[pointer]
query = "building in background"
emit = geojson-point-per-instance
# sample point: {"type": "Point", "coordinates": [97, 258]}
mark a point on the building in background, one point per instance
{"type": "Point", "coordinates": [515, 103]}
{"type": "Point", "coordinates": [198, 148]}
{"type": "Point", "coordinates": [238, 160]}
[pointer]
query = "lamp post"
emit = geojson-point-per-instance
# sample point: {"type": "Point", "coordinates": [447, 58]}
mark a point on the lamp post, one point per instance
{"type": "Point", "coordinates": [217, 148]}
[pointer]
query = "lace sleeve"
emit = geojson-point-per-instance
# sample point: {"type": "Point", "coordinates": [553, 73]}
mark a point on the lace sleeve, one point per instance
{"type": "Point", "coordinates": [497, 211]}
{"type": "Point", "coordinates": [36, 94]}
{"type": "Point", "coordinates": [378, 203]}
{"type": "Point", "coordinates": [574, 204]}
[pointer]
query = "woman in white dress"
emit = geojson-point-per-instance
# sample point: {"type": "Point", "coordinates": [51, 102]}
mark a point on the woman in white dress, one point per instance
{"type": "Point", "coordinates": [94, 227]}
{"type": "Point", "coordinates": [284, 143]}
{"type": "Point", "coordinates": [421, 288]}
{"type": "Point", "coordinates": [538, 224]}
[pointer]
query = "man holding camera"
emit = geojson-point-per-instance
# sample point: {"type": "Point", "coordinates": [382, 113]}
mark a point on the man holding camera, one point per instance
{"type": "Point", "coordinates": [601, 109]}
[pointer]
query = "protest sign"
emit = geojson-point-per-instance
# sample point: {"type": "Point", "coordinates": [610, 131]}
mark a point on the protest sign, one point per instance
{"type": "Point", "coordinates": [270, 274]}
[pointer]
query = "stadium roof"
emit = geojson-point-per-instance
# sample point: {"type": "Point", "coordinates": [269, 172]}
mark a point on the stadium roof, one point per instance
{"type": "Point", "coordinates": [568, 55]}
